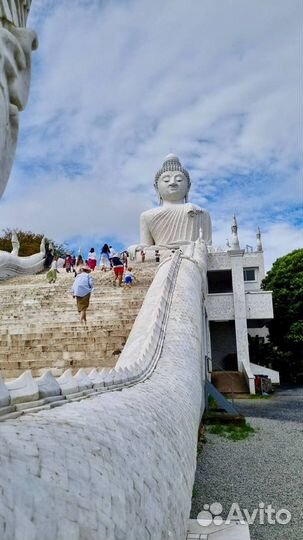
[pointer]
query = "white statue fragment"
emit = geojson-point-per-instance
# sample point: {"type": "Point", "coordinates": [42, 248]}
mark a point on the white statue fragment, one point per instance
{"type": "Point", "coordinates": [12, 265]}
{"type": "Point", "coordinates": [16, 46]}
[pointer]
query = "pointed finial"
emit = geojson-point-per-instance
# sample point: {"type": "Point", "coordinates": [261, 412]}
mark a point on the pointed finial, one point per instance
{"type": "Point", "coordinates": [15, 244]}
{"type": "Point", "coordinates": [42, 246]}
{"type": "Point", "coordinates": [227, 243]}
{"type": "Point", "coordinates": [234, 230]}
{"type": "Point", "coordinates": [259, 241]}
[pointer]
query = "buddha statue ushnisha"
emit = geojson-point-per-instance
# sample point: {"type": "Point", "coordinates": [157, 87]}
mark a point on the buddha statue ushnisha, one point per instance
{"type": "Point", "coordinates": [176, 221]}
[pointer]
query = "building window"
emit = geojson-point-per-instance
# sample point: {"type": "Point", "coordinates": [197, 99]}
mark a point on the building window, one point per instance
{"type": "Point", "coordinates": [249, 274]}
{"type": "Point", "coordinates": [219, 281]}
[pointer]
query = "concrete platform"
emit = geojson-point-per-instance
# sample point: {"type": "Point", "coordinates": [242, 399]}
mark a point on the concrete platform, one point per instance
{"type": "Point", "coordinates": [233, 531]}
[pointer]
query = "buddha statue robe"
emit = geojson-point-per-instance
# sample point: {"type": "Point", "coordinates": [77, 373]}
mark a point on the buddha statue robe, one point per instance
{"type": "Point", "coordinates": [177, 223]}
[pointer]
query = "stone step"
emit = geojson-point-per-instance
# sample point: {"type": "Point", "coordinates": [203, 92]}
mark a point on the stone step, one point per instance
{"type": "Point", "coordinates": [229, 382]}
{"type": "Point", "coordinates": [52, 331]}
{"type": "Point", "coordinates": [30, 339]}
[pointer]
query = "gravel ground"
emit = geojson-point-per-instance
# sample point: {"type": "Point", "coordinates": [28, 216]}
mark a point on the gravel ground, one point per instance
{"type": "Point", "coordinates": [265, 468]}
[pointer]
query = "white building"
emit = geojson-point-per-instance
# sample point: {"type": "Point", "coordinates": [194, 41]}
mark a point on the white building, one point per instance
{"type": "Point", "coordinates": [237, 306]}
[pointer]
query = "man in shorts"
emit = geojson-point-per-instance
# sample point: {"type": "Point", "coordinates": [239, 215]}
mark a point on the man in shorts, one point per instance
{"type": "Point", "coordinates": [81, 290]}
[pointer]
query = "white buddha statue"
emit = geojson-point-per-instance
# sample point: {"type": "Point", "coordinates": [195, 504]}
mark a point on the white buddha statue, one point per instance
{"type": "Point", "coordinates": [16, 46]}
{"type": "Point", "coordinates": [176, 222]}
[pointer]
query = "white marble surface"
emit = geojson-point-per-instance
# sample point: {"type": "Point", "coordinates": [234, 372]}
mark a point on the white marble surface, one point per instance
{"type": "Point", "coordinates": [48, 385]}
{"type": "Point", "coordinates": [68, 383]}
{"type": "Point", "coordinates": [4, 394]}
{"type": "Point", "coordinates": [23, 389]}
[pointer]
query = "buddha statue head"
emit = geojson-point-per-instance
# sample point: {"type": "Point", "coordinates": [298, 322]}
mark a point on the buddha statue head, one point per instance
{"type": "Point", "coordinates": [172, 181]}
{"type": "Point", "coordinates": [16, 45]}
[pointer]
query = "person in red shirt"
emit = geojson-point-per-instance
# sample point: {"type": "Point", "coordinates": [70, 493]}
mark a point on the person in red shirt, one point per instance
{"type": "Point", "coordinates": [92, 259]}
{"type": "Point", "coordinates": [68, 263]}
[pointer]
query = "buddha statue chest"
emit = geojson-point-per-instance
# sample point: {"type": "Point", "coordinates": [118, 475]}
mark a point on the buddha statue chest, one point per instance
{"type": "Point", "coordinates": [175, 223]}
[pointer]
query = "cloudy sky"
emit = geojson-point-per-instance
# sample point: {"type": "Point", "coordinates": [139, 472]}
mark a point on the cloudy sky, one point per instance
{"type": "Point", "coordinates": [118, 84]}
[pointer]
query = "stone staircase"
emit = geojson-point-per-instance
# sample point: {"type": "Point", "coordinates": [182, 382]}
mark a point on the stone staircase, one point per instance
{"type": "Point", "coordinates": [40, 328]}
{"type": "Point", "coordinates": [229, 382]}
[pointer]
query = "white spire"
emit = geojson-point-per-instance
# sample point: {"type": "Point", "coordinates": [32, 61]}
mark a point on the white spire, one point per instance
{"type": "Point", "coordinates": [259, 241]}
{"type": "Point", "coordinates": [15, 244]}
{"type": "Point", "coordinates": [234, 231]}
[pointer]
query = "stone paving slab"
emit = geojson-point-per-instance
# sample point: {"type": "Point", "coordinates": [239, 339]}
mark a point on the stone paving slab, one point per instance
{"type": "Point", "coordinates": [232, 531]}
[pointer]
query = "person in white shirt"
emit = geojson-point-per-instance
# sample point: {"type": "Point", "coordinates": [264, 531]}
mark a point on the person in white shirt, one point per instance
{"type": "Point", "coordinates": [81, 290]}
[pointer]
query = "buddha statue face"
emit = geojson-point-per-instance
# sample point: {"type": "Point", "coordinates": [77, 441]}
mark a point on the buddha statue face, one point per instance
{"type": "Point", "coordinates": [173, 187]}
{"type": "Point", "coordinates": [172, 181]}
{"type": "Point", "coordinates": [16, 45]}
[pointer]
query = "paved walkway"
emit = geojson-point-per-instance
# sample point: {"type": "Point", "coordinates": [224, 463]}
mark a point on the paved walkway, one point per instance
{"type": "Point", "coordinates": [266, 468]}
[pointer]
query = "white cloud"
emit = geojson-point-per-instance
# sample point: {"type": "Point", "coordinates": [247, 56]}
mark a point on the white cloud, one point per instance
{"type": "Point", "coordinates": [118, 85]}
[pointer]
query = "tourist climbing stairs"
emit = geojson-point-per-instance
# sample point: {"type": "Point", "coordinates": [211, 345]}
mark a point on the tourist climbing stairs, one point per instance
{"type": "Point", "coordinates": [40, 328]}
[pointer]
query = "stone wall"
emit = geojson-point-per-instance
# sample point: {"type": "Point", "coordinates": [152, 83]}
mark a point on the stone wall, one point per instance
{"type": "Point", "coordinates": [119, 466]}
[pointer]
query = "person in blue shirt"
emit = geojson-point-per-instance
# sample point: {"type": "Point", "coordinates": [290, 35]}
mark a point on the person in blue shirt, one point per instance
{"type": "Point", "coordinates": [81, 290]}
{"type": "Point", "coordinates": [129, 278]}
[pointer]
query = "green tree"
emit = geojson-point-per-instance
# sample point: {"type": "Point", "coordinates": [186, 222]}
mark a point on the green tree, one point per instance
{"type": "Point", "coordinates": [29, 243]}
{"type": "Point", "coordinates": [285, 280]}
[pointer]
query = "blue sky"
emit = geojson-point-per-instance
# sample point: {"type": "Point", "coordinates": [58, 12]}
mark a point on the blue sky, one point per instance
{"type": "Point", "coordinates": [117, 85]}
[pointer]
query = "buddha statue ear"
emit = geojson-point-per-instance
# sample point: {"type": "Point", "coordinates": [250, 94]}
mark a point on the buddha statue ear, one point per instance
{"type": "Point", "coordinates": [186, 196]}
{"type": "Point", "coordinates": [160, 198]}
